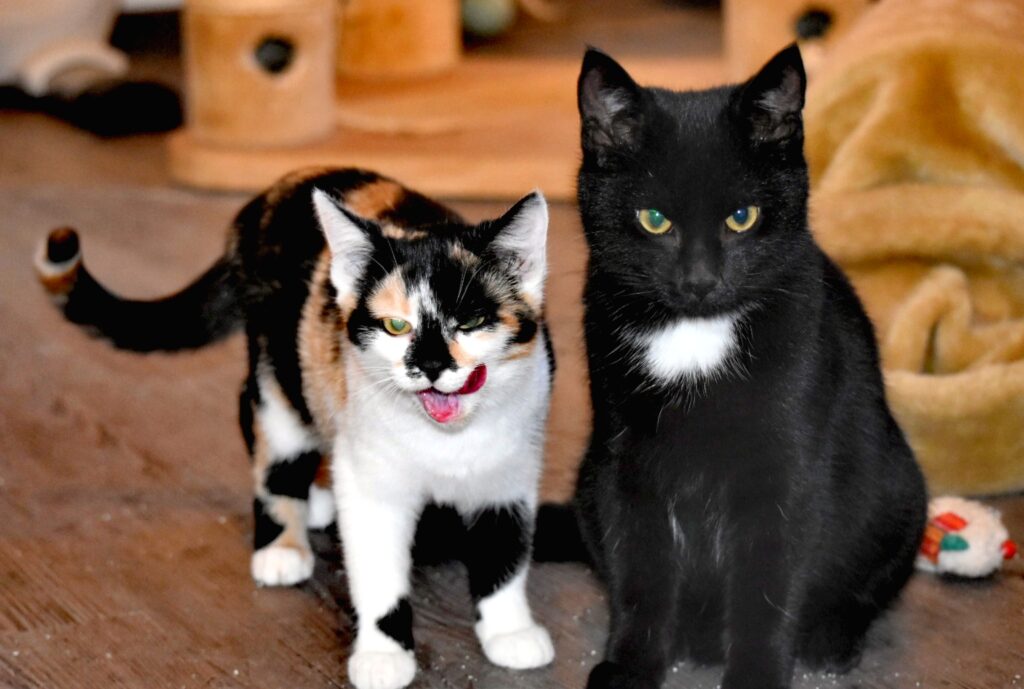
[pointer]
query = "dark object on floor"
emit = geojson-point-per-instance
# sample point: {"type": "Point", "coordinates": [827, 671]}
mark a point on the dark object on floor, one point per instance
{"type": "Point", "coordinates": [108, 109]}
{"type": "Point", "coordinates": [122, 109]}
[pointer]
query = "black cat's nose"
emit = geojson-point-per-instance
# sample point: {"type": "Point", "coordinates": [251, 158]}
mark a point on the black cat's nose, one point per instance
{"type": "Point", "coordinates": [698, 284]}
{"type": "Point", "coordinates": [701, 288]}
{"type": "Point", "coordinates": [433, 368]}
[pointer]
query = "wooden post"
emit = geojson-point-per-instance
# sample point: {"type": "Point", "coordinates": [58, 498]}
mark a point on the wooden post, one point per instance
{"type": "Point", "coordinates": [757, 29]}
{"type": "Point", "coordinates": [259, 72]}
{"type": "Point", "coordinates": [382, 38]}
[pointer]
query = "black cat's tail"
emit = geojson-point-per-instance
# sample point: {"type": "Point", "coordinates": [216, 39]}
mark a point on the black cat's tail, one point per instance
{"type": "Point", "coordinates": [204, 311]}
{"type": "Point", "coordinates": [557, 536]}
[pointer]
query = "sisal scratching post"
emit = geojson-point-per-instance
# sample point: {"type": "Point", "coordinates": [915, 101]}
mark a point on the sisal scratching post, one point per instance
{"type": "Point", "coordinates": [259, 73]}
{"type": "Point", "coordinates": [757, 29]}
{"type": "Point", "coordinates": [398, 38]}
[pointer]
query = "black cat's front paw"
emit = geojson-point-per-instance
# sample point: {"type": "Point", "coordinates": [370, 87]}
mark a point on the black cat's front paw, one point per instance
{"type": "Point", "coordinates": [609, 675]}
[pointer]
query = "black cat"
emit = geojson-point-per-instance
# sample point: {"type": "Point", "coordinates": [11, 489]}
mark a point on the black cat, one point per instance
{"type": "Point", "coordinates": [747, 495]}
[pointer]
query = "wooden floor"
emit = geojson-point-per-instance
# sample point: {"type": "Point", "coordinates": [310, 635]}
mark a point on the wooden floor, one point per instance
{"type": "Point", "coordinates": [124, 496]}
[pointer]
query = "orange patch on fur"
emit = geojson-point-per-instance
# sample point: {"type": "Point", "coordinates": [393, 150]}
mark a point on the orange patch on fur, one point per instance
{"type": "Point", "coordinates": [464, 255]}
{"type": "Point", "coordinates": [323, 474]}
{"type": "Point", "coordinates": [395, 232]}
{"type": "Point", "coordinates": [374, 199]}
{"type": "Point", "coordinates": [461, 357]}
{"type": "Point", "coordinates": [389, 299]}
{"type": "Point", "coordinates": [513, 323]}
{"type": "Point", "coordinates": [59, 285]}
{"type": "Point", "coordinates": [321, 338]}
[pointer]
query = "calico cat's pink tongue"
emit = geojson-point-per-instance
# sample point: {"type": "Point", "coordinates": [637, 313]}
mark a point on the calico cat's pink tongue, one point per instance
{"type": "Point", "coordinates": [445, 406]}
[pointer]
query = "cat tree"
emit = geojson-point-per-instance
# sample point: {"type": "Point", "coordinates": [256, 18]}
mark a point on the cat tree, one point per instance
{"type": "Point", "coordinates": [274, 85]}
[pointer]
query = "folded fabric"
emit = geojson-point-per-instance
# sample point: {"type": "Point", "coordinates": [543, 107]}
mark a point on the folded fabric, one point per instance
{"type": "Point", "coordinates": [915, 141]}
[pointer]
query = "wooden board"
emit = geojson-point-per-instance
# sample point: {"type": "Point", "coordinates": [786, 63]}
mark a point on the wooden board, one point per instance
{"type": "Point", "coordinates": [492, 128]}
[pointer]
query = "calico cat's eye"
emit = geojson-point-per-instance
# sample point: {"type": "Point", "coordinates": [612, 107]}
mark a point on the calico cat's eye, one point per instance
{"type": "Point", "coordinates": [742, 219]}
{"type": "Point", "coordinates": [654, 221]}
{"type": "Point", "coordinates": [396, 326]}
{"type": "Point", "coordinates": [471, 323]}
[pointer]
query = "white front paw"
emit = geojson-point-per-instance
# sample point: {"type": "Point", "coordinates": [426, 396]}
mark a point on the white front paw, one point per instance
{"type": "Point", "coordinates": [381, 669]}
{"type": "Point", "coordinates": [281, 566]}
{"type": "Point", "coordinates": [526, 648]}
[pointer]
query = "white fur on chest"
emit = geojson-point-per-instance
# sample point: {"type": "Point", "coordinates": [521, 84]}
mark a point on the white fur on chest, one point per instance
{"type": "Point", "coordinates": [689, 347]}
{"type": "Point", "coordinates": [495, 457]}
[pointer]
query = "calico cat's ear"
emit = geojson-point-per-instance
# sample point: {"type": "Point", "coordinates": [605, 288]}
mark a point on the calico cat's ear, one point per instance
{"type": "Point", "coordinates": [347, 239]}
{"type": "Point", "coordinates": [609, 103]}
{"type": "Point", "coordinates": [771, 101]}
{"type": "Point", "coordinates": [522, 239]}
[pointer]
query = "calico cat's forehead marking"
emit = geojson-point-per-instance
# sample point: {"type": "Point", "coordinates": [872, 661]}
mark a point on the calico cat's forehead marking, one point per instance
{"type": "Point", "coordinates": [390, 298]}
{"type": "Point", "coordinates": [426, 301]}
{"type": "Point", "coordinates": [393, 231]}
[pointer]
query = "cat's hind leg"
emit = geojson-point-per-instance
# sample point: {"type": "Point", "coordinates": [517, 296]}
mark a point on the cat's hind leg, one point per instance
{"type": "Point", "coordinates": [285, 461]}
{"type": "Point", "coordinates": [497, 556]}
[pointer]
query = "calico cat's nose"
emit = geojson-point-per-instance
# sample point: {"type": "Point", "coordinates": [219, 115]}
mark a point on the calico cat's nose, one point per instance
{"type": "Point", "coordinates": [429, 352]}
{"type": "Point", "coordinates": [433, 368]}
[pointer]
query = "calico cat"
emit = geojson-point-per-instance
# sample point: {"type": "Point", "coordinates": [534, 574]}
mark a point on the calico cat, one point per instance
{"type": "Point", "coordinates": [409, 347]}
{"type": "Point", "coordinates": [747, 495]}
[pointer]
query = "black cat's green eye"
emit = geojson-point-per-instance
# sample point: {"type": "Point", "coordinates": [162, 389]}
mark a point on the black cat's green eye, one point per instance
{"type": "Point", "coordinates": [396, 326]}
{"type": "Point", "coordinates": [742, 219]}
{"type": "Point", "coordinates": [653, 221]}
{"type": "Point", "coordinates": [471, 323]}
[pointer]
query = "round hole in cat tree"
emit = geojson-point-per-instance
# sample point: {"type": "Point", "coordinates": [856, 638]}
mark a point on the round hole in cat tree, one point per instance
{"type": "Point", "coordinates": [813, 23]}
{"type": "Point", "coordinates": [274, 54]}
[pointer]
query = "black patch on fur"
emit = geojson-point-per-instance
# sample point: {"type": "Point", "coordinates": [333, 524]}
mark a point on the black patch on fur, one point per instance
{"type": "Point", "coordinates": [557, 536]}
{"type": "Point", "coordinates": [414, 210]}
{"type": "Point", "coordinates": [265, 529]}
{"type": "Point", "coordinates": [292, 478]}
{"type": "Point", "coordinates": [429, 351]}
{"type": "Point", "coordinates": [398, 624]}
{"type": "Point", "coordinates": [497, 544]}
{"type": "Point", "coordinates": [527, 331]}
{"type": "Point", "coordinates": [247, 401]}
{"type": "Point", "coordinates": [440, 536]}
{"type": "Point", "coordinates": [552, 361]}
{"type": "Point", "coordinates": [62, 245]}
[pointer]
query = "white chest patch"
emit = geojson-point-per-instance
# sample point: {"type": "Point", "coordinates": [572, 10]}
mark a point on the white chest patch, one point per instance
{"type": "Point", "coordinates": [689, 347]}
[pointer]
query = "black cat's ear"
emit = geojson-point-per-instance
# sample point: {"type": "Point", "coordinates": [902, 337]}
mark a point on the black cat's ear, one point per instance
{"type": "Point", "coordinates": [347, 238]}
{"type": "Point", "coordinates": [770, 103]}
{"type": "Point", "coordinates": [609, 103]}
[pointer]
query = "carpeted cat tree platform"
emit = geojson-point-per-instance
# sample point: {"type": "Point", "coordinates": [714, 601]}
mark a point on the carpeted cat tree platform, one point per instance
{"type": "Point", "coordinates": [916, 146]}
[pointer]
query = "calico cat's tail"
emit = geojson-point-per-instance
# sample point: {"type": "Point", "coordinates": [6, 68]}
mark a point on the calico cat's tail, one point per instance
{"type": "Point", "coordinates": [557, 536]}
{"type": "Point", "coordinates": [202, 312]}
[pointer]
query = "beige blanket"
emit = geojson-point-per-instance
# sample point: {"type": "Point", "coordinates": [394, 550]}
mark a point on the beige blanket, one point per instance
{"type": "Point", "coordinates": [915, 138]}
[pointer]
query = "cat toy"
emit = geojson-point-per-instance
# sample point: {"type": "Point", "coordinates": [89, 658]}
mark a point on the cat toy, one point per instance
{"type": "Point", "coordinates": [964, 538]}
